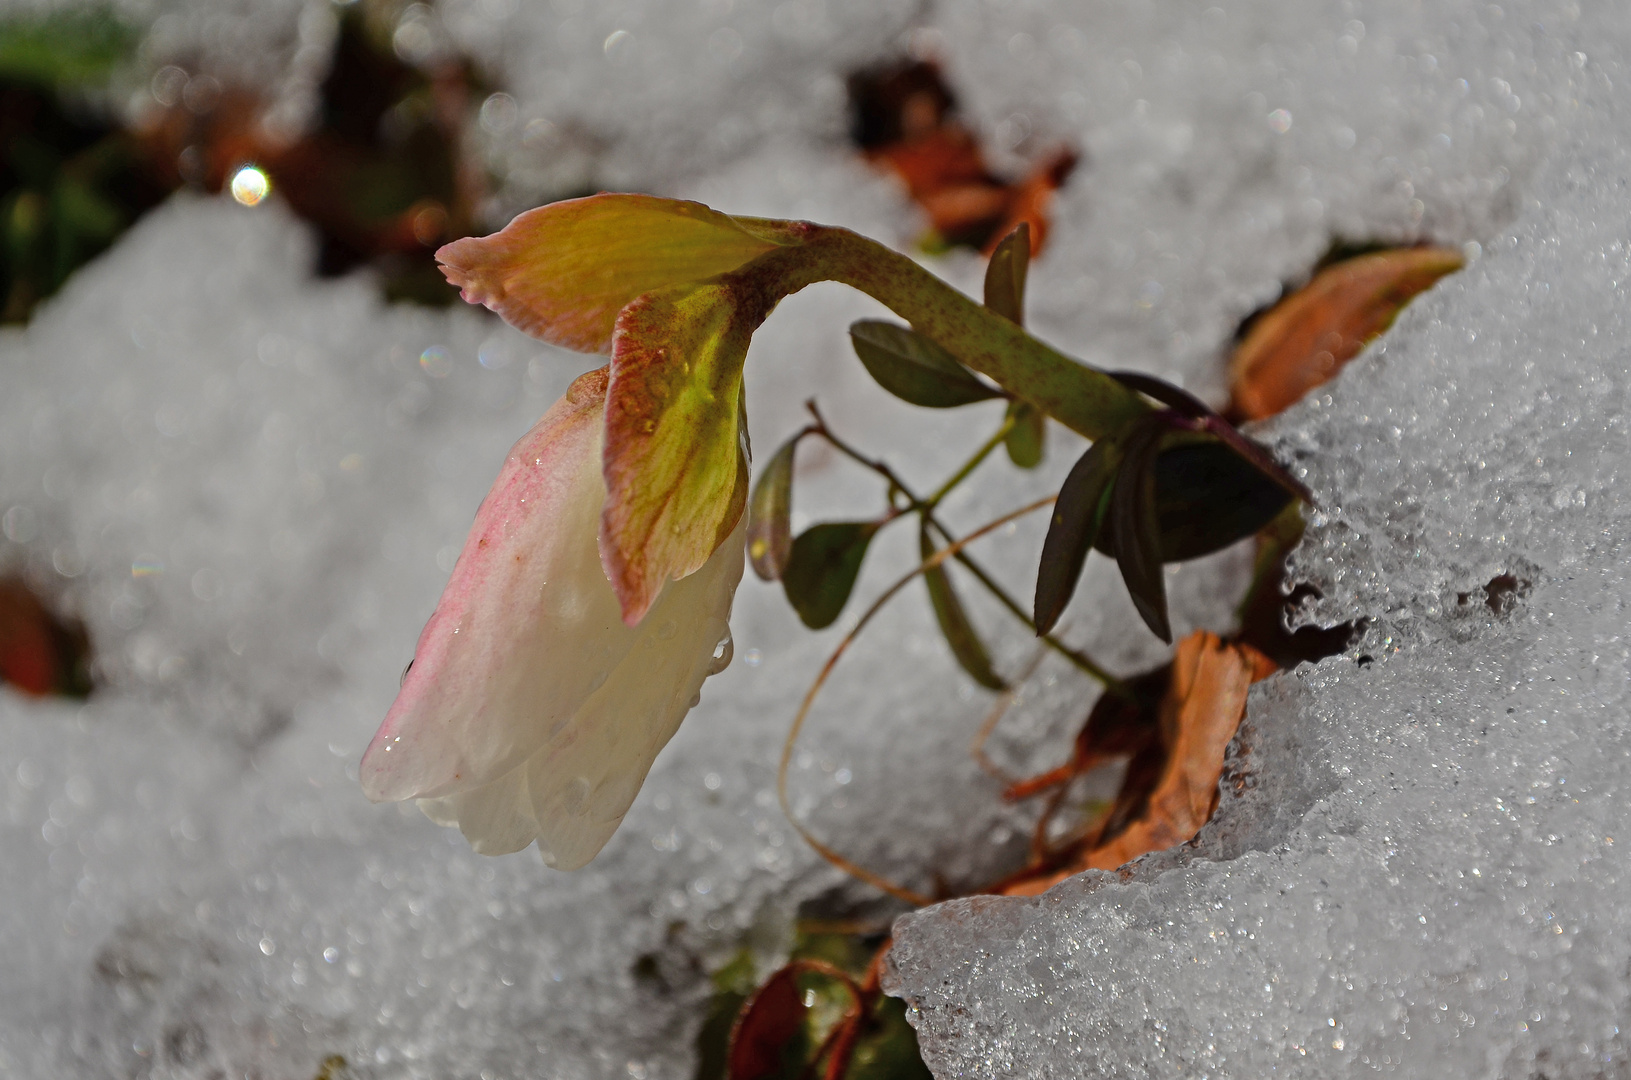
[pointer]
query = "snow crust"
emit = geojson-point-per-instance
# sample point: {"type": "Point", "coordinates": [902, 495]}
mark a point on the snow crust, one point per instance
{"type": "Point", "coordinates": [252, 485]}
{"type": "Point", "coordinates": [1418, 864]}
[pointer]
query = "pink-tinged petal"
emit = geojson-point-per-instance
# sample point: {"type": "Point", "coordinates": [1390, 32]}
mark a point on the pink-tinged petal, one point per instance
{"type": "Point", "coordinates": [676, 474]}
{"type": "Point", "coordinates": [528, 627]}
{"type": "Point", "coordinates": [562, 272]}
{"type": "Point", "coordinates": [572, 793]}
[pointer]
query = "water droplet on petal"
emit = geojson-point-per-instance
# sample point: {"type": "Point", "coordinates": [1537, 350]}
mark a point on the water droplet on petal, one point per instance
{"type": "Point", "coordinates": [576, 792]}
{"type": "Point", "coordinates": [722, 655]}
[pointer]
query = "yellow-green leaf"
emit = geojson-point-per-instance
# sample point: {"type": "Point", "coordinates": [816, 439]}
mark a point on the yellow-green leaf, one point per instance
{"type": "Point", "coordinates": [1026, 438]}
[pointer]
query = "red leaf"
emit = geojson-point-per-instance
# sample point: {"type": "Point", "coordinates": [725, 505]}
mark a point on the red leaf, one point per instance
{"type": "Point", "coordinates": [771, 1019]}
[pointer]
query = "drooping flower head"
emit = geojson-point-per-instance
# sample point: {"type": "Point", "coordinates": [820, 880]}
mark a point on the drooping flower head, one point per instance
{"type": "Point", "coordinates": [531, 709]}
{"type": "Point", "coordinates": [592, 596]}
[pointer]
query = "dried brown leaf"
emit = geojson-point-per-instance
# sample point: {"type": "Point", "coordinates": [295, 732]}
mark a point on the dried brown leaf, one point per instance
{"type": "Point", "coordinates": [1199, 714]}
{"type": "Point", "coordinates": [1304, 340]}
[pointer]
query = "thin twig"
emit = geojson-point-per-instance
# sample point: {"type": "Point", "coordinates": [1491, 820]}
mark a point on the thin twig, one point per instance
{"type": "Point", "coordinates": [907, 895]}
{"type": "Point", "coordinates": [999, 709]}
{"type": "Point", "coordinates": [1080, 660]}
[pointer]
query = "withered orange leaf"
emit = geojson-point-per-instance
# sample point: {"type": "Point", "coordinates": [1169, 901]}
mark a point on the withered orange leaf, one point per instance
{"type": "Point", "coordinates": [1199, 714]}
{"type": "Point", "coordinates": [39, 653]}
{"type": "Point", "coordinates": [770, 1020]}
{"type": "Point", "coordinates": [903, 117]}
{"type": "Point", "coordinates": [1305, 339]}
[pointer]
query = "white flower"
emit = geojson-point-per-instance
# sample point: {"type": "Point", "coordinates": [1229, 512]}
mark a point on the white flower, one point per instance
{"type": "Point", "coordinates": [531, 711]}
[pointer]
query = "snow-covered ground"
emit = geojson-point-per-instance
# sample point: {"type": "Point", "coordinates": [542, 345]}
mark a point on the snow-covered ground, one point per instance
{"type": "Point", "coordinates": [251, 484]}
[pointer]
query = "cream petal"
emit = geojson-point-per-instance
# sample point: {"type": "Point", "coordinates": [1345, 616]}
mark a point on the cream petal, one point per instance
{"type": "Point", "coordinates": [496, 818]}
{"type": "Point", "coordinates": [584, 781]}
{"type": "Point", "coordinates": [528, 627]}
{"type": "Point", "coordinates": [571, 795]}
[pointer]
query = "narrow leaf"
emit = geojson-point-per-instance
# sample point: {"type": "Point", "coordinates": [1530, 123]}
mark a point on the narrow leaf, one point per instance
{"type": "Point", "coordinates": [965, 643]}
{"type": "Point", "coordinates": [1136, 528]}
{"type": "Point", "coordinates": [770, 532]}
{"type": "Point", "coordinates": [915, 369]}
{"type": "Point", "coordinates": [1205, 702]}
{"type": "Point", "coordinates": [1027, 438]}
{"type": "Point", "coordinates": [1173, 397]}
{"type": "Point", "coordinates": [821, 571]}
{"type": "Point", "coordinates": [1078, 517]}
{"type": "Point", "coordinates": [1005, 274]}
{"type": "Point", "coordinates": [771, 1020]}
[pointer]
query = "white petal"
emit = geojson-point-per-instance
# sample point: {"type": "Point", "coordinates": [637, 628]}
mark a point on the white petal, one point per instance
{"type": "Point", "coordinates": [571, 795]}
{"type": "Point", "coordinates": [496, 817]}
{"type": "Point", "coordinates": [527, 629]}
{"type": "Point", "coordinates": [583, 782]}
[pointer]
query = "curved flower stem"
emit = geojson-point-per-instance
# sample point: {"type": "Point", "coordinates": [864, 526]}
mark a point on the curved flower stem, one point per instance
{"type": "Point", "coordinates": [916, 899]}
{"type": "Point", "coordinates": [1083, 398]}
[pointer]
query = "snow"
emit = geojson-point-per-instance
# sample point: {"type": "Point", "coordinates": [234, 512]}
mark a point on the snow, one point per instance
{"type": "Point", "coordinates": [1418, 864]}
{"type": "Point", "coordinates": [195, 882]}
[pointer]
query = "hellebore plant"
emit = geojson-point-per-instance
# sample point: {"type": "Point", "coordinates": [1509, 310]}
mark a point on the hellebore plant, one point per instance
{"type": "Point", "coordinates": [592, 597]}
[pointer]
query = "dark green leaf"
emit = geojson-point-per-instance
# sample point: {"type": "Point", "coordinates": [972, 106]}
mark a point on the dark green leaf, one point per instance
{"type": "Point", "coordinates": [965, 643]}
{"type": "Point", "coordinates": [1078, 518]}
{"type": "Point", "coordinates": [1135, 527]}
{"type": "Point", "coordinates": [1026, 438]}
{"type": "Point", "coordinates": [1005, 274]}
{"type": "Point", "coordinates": [821, 572]}
{"type": "Point", "coordinates": [732, 985]}
{"type": "Point", "coordinates": [1174, 397]}
{"type": "Point", "coordinates": [1207, 497]}
{"type": "Point", "coordinates": [913, 368]}
{"type": "Point", "coordinates": [770, 533]}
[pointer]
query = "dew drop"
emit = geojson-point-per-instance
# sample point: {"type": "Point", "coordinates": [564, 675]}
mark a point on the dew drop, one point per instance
{"type": "Point", "coordinates": [722, 655]}
{"type": "Point", "coordinates": [576, 793]}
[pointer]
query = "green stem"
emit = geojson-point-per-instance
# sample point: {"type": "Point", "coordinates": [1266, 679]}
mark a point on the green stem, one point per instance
{"type": "Point", "coordinates": [1083, 662]}
{"type": "Point", "coordinates": [1077, 658]}
{"type": "Point", "coordinates": [1082, 398]}
{"type": "Point", "coordinates": [970, 465]}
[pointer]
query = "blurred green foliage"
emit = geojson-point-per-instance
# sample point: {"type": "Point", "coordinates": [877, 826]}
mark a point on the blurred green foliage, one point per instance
{"type": "Point", "coordinates": [70, 180]}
